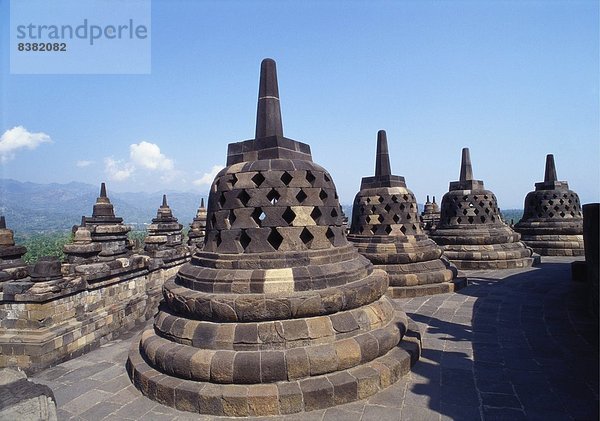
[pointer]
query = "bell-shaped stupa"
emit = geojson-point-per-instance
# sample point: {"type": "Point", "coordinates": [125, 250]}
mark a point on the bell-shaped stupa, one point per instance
{"type": "Point", "coordinates": [430, 215]}
{"type": "Point", "coordinates": [165, 239]}
{"type": "Point", "coordinates": [552, 223]}
{"type": "Point", "coordinates": [278, 313]}
{"type": "Point", "coordinates": [386, 230]}
{"type": "Point", "coordinates": [198, 227]}
{"type": "Point", "coordinates": [471, 230]}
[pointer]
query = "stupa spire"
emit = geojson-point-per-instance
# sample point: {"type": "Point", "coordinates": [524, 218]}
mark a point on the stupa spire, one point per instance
{"type": "Point", "coordinates": [164, 202]}
{"type": "Point", "coordinates": [466, 170]}
{"type": "Point", "coordinates": [268, 114]}
{"type": "Point", "coordinates": [102, 190]}
{"type": "Point", "coordinates": [202, 202]}
{"type": "Point", "coordinates": [550, 173]}
{"type": "Point", "coordinates": [382, 160]}
{"type": "Point", "coordinates": [2, 222]}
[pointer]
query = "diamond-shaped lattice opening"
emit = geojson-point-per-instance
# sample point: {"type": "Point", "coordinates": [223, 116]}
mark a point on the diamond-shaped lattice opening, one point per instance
{"type": "Point", "coordinates": [485, 197]}
{"type": "Point", "coordinates": [403, 229]}
{"type": "Point", "coordinates": [316, 214]}
{"type": "Point", "coordinates": [334, 213]}
{"type": "Point", "coordinates": [244, 239]}
{"type": "Point", "coordinates": [306, 236]}
{"type": "Point", "coordinates": [405, 197]}
{"type": "Point", "coordinates": [331, 236]}
{"type": "Point", "coordinates": [545, 208]}
{"type": "Point", "coordinates": [286, 177]}
{"type": "Point", "coordinates": [326, 178]}
{"type": "Point", "coordinates": [551, 202]}
{"type": "Point", "coordinates": [258, 216]}
{"type": "Point", "coordinates": [273, 196]}
{"type": "Point", "coordinates": [408, 216]}
{"type": "Point", "coordinates": [368, 200]}
{"type": "Point", "coordinates": [414, 227]}
{"type": "Point", "coordinates": [289, 215]}
{"type": "Point", "coordinates": [474, 197]}
{"type": "Point", "coordinates": [482, 218]}
{"type": "Point", "coordinates": [380, 218]}
{"type": "Point", "coordinates": [396, 218]}
{"type": "Point", "coordinates": [572, 213]}
{"type": "Point", "coordinates": [380, 199]}
{"type": "Point", "coordinates": [394, 199]}
{"type": "Point", "coordinates": [561, 201]}
{"type": "Point", "coordinates": [234, 180]}
{"type": "Point", "coordinates": [301, 196]}
{"type": "Point", "coordinates": [402, 207]}
{"type": "Point", "coordinates": [387, 208]}
{"type": "Point", "coordinates": [476, 211]}
{"type": "Point", "coordinates": [554, 196]}
{"type": "Point", "coordinates": [487, 210]}
{"type": "Point", "coordinates": [562, 214]}
{"type": "Point", "coordinates": [493, 218]}
{"type": "Point", "coordinates": [465, 211]}
{"type": "Point", "coordinates": [459, 219]}
{"type": "Point", "coordinates": [222, 199]}
{"type": "Point", "coordinates": [373, 209]}
{"type": "Point", "coordinates": [556, 208]}
{"type": "Point", "coordinates": [310, 177]}
{"type": "Point", "coordinates": [551, 214]}
{"type": "Point", "coordinates": [388, 229]}
{"type": "Point", "coordinates": [244, 197]}
{"type": "Point", "coordinates": [362, 209]}
{"type": "Point", "coordinates": [471, 219]}
{"type": "Point", "coordinates": [275, 239]}
{"type": "Point", "coordinates": [231, 217]}
{"type": "Point", "coordinates": [258, 179]}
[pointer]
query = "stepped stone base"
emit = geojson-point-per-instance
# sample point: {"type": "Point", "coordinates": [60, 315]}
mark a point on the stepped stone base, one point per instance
{"type": "Point", "coordinates": [428, 289]}
{"type": "Point", "coordinates": [280, 398]}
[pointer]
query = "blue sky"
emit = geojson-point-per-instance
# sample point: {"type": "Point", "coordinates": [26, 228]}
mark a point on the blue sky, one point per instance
{"type": "Point", "coordinates": [511, 80]}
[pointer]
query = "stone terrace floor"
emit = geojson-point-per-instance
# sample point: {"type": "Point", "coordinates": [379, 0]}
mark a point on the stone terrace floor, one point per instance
{"type": "Point", "coordinates": [514, 344]}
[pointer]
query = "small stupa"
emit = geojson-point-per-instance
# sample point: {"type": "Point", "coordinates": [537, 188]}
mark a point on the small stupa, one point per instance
{"type": "Point", "coordinates": [386, 230]}
{"type": "Point", "coordinates": [471, 230]}
{"type": "Point", "coordinates": [165, 239]}
{"type": "Point", "coordinates": [12, 265]}
{"type": "Point", "coordinates": [430, 215]}
{"type": "Point", "coordinates": [552, 223]}
{"type": "Point", "coordinates": [198, 227]}
{"type": "Point", "coordinates": [104, 229]}
{"type": "Point", "coordinates": [278, 313]}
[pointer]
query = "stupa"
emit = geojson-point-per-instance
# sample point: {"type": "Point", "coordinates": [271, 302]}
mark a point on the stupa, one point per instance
{"type": "Point", "coordinates": [165, 239]}
{"type": "Point", "coordinates": [430, 215]}
{"type": "Point", "coordinates": [198, 227]}
{"type": "Point", "coordinates": [386, 230]}
{"type": "Point", "coordinates": [278, 313]}
{"type": "Point", "coordinates": [471, 230]}
{"type": "Point", "coordinates": [552, 223]}
{"type": "Point", "coordinates": [105, 229]}
{"type": "Point", "coordinates": [12, 265]}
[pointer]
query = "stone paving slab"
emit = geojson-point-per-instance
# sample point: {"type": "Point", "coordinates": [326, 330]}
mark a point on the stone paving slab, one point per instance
{"type": "Point", "coordinates": [514, 344]}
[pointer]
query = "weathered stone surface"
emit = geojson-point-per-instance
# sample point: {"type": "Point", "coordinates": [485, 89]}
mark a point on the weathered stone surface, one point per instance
{"type": "Point", "coordinates": [277, 301]}
{"type": "Point", "coordinates": [386, 229]}
{"type": "Point", "coordinates": [21, 399]}
{"type": "Point", "coordinates": [552, 223]}
{"type": "Point", "coordinates": [471, 231]}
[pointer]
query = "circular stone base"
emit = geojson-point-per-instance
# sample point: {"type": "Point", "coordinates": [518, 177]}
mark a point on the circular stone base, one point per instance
{"type": "Point", "coordinates": [524, 262]}
{"type": "Point", "coordinates": [279, 398]}
{"type": "Point", "coordinates": [430, 289]}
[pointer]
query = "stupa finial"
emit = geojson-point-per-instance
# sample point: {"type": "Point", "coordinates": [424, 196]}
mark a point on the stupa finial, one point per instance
{"type": "Point", "coordinates": [382, 160]}
{"type": "Point", "coordinates": [102, 190]}
{"type": "Point", "coordinates": [466, 170]}
{"type": "Point", "coordinates": [268, 115]}
{"type": "Point", "coordinates": [2, 222]}
{"type": "Point", "coordinates": [550, 173]}
{"type": "Point", "coordinates": [164, 202]}
{"type": "Point", "coordinates": [427, 198]}
{"type": "Point", "coordinates": [202, 202]}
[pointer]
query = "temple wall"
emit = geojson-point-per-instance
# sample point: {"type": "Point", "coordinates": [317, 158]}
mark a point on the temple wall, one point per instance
{"type": "Point", "coordinates": [38, 331]}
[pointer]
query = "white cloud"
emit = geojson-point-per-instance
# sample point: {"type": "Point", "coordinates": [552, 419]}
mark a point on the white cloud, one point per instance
{"type": "Point", "coordinates": [147, 155]}
{"type": "Point", "coordinates": [142, 156]}
{"type": "Point", "coordinates": [207, 178]}
{"type": "Point", "coordinates": [118, 170]}
{"type": "Point", "coordinates": [83, 163]}
{"type": "Point", "coordinates": [17, 138]}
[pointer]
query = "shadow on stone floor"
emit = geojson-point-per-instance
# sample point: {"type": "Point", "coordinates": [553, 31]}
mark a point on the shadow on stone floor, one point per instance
{"type": "Point", "coordinates": [530, 350]}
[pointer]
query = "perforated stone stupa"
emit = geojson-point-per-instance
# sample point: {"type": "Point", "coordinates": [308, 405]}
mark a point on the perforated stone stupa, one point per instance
{"type": "Point", "coordinates": [471, 230]}
{"type": "Point", "coordinates": [386, 230]}
{"type": "Point", "coordinates": [552, 223]}
{"type": "Point", "coordinates": [12, 265]}
{"type": "Point", "coordinates": [430, 215]}
{"type": "Point", "coordinates": [198, 227]}
{"type": "Point", "coordinates": [279, 313]}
